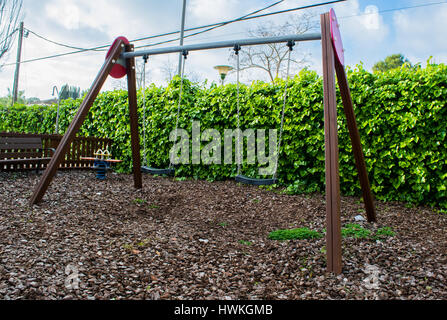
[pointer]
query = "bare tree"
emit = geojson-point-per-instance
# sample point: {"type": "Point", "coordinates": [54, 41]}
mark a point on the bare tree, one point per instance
{"type": "Point", "coordinates": [10, 16]}
{"type": "Point", "coordinates": [121, 84]}
{"type": "Point", "coordinates": [270, 57]}
{"type": "Point", "coordinates": [169, 70]}
{"type": "Point", "coordinates": [140, 71]}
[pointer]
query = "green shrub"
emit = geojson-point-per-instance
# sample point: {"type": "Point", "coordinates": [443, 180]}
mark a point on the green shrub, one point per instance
{"type": "Point", "coordinates": [400, 114]}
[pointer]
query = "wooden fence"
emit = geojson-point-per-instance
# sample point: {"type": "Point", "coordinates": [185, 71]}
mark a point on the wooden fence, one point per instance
{"type": "Point", "coordinates": [81, 147]}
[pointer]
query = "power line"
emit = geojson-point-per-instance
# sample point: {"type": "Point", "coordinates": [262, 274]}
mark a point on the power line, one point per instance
{"type": "Point", "coordinates": [98, 48]}
{"type": "Point", "coordinates": [216, 25]}
{"type": "Point", "coordinates": [244, 18]}
{"type": "Point", "coordinates": [213, 26]}
{"type": "Point", "coordinates": [54, 42]}
{"type": "Point", "coordinates": [294, 9]}
{"type": "Point", "coordinates": [397, 9]}
{"type": "Point", "coordinates": [150, 37]}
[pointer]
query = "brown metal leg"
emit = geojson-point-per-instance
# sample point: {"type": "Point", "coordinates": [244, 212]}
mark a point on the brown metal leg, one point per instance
{"type": "Point", "coordinates": [133, 111]}
{"type": "Point", "coordinates": [67, 139]}
{"type": "Point", "coordinates": [333, 236]}
{"type": "Point", "coordinates": [355, 140]}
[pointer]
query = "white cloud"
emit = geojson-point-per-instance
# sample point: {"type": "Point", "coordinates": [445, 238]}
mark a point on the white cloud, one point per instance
{"type": "Point", "coordinates": [420, 32]}
{"type": "Point", "coordinates": [103, 15]}
{"type": "Point", "coordinates": [372, 18]}
{"type": "Point", "coordinates": [86, 23]}
{"type": "Point", "coordinates": [206, 11]}
{"type": "Point", "coordinates": [66, 13]}
{"type": "Point", "coordinates": [365, 27]}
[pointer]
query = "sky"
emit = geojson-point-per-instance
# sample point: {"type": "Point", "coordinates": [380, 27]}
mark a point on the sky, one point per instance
{"type": "Point", "coordinates": [370, 29]}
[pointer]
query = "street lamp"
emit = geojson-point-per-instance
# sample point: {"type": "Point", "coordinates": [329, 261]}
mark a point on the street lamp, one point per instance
{"type": "Point", "coordinates": [58, 106]}
{"type": "Point", "coordinates": [223, 71]}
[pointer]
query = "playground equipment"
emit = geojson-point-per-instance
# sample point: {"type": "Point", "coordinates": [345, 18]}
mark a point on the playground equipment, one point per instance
{"type": "Point", "coordinates": [121, 55]}
{"type": "Point", "coordinates": [147, 169]}
{"type": "Point", "coordinates": [101, 162]}
{"type": "Point", "coordinates": [244, 179]}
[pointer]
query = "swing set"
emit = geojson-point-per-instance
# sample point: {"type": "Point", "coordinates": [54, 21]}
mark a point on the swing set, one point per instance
{"type": "Point", "coordinates": [239, 177]}
{"type": "Point", "coordinates": [120, 61]}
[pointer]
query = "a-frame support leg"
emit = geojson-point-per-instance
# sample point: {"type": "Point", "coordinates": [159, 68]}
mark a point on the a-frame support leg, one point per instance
{"type": "Point", "coordinates": [333, 233]}
{"type": "Point", "coordinates": [355, 141]}
{"type": "Point", "coordinates": [67, 139]}
{"type": "Point", "coordinates": [133, 112]}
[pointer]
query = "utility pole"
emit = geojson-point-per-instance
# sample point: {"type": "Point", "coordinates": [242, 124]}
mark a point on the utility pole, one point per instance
{"type": "Point", "coordinates": [15, 88]}
{"type": "Point", "coordinates": [182, 33]}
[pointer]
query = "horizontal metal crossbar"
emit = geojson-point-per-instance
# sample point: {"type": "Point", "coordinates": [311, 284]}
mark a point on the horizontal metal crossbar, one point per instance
{"type": "Point", "coordinates": [224, 44]}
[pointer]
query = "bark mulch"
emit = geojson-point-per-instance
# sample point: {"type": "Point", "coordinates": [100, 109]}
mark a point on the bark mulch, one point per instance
{"type": "Point", "coordinates": [203, 240]}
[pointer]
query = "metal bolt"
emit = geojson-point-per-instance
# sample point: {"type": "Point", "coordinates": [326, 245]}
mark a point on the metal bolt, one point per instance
{"type": "Point", "coordinates": [113, 61]}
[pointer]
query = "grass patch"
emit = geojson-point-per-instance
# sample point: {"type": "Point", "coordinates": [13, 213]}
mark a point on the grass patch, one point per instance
{"type": "Point", "coordinates": [139, 201]}
{"type": "Point", "coordinates": [349, 231]}
{"type": "Point", "coordinates": [143, 243]}
{"type": "Point", "coordinates": [245, 242]}
{"type": "Point", "coordinates": [295, 234]}
{"type": "Point", "coordinates": [384, 233]}
{"type": "Point", "coordinates": [358, 232]}
{"type": "Point", "coordinates": [128, 246]}
{"type": "Point", "coordinates": [355, 231]}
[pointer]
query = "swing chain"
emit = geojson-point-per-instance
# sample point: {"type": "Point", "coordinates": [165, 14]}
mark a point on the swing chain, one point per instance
{"type": "Point", "coordinates": [236, 49]}
{"type": "Point", "coordinates": [185, 55]}
{"type": "Point", "coordinates": [290, 44]}
{"type": "Point", "coordinates": [145, 58]}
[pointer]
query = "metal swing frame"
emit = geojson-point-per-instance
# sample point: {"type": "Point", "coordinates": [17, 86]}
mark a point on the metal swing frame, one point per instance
{"type": "Point", "coordinates": [331, 66]}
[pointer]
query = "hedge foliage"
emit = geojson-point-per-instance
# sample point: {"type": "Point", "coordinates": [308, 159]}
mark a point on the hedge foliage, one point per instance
{"type": "Point", "coordinates": [401, 116]}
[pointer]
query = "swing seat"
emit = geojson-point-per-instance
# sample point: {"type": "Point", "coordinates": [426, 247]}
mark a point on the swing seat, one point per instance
{"type": "Point", "coordinates": [156, 171]}
{"type": "Point", "coordinates": [256, 182]}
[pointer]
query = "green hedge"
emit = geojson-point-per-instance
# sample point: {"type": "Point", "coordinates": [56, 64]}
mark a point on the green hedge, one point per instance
{"type": "Point", "coordinates": [401, 116]}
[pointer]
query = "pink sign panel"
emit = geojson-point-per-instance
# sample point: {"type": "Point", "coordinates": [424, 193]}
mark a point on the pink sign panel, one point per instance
{"type": "Point", "coordinates": [336, 37]}
{"type": "Point", "coordinates": [119, 68]}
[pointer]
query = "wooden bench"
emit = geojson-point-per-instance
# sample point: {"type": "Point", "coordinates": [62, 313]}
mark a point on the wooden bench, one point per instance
{"type": "Point", "coordinates": [23, 153]}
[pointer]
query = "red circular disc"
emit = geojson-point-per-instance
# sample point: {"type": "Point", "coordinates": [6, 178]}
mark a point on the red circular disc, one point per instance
{"type": "Point", "coordinates": [336, 37]}
{"type": "Point", "coordinates": [119, 68]}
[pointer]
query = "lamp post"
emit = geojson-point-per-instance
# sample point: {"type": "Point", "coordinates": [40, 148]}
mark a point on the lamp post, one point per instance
{"type": "Point", "coordinates": [58, 106]}
{"type": "Point", "coordinates": [223, 71]}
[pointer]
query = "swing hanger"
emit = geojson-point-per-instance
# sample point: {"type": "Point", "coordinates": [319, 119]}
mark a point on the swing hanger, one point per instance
{"type": "Point", "coordinates": [291, 44]}
{"type": "Point", "coordinates": [237, 48]}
